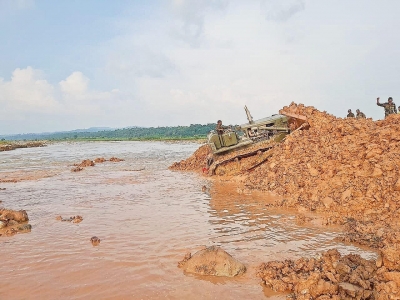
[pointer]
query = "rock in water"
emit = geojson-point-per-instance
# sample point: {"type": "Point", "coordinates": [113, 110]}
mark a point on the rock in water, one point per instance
{"type": "Point", "coordinates": [17, 215]}
{"type": "Point", "coordinates": [95, 240]}
{"type": "Point", "coordinates": [212, 261]}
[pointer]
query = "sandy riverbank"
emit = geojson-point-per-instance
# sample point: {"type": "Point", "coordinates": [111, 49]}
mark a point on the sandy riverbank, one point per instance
{"type": "Point", "coordinates": [7, 145]}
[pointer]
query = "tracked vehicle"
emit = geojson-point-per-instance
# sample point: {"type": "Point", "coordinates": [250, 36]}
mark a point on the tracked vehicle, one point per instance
{"type": "Point", "coordinates": [275, 128]}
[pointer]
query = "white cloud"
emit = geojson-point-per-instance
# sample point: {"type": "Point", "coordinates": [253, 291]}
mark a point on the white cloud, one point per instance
{"type": "Point", "coordinates": [27, 91]}
{"type": "Point", "coordinates": [75, 85]}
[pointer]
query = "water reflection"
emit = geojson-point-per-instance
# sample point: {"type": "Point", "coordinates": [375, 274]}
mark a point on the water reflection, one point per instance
{"type": "Point", "coordinates": [244, 220]}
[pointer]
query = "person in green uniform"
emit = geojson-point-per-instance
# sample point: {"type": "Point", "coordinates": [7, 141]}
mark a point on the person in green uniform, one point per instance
{"type": "Point", "coordinates": [390, 107]}
{"type": "Point", "coordinates": [220, 128]}
{"type": "Point", "coordinates": [360, 114]}
{"type": "Point", "coordinates": [350, 114]}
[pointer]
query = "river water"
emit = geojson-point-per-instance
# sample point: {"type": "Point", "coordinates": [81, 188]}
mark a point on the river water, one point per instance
{"type": "Point", "coordinates": [147, 218]}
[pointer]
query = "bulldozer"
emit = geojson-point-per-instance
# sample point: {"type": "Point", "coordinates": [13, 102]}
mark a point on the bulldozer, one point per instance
{"type": "Point", "coordinates": [274, 128]}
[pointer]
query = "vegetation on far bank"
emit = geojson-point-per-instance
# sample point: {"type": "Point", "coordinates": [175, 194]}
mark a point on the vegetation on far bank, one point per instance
{"type": "Point", "coordinates": [192, 132]}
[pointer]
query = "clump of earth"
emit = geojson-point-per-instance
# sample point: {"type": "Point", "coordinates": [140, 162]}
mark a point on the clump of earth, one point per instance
{"type": "Point", "coordinates": [73, 219]}
{"type": "Point", "coordinates": [333, 276]}
{"type": "Point", "coordinates": [91, 163]}
{"type": "Point", "coordinates": [213, 261]}
{"type": "Point", "coordinates": [13, 222]}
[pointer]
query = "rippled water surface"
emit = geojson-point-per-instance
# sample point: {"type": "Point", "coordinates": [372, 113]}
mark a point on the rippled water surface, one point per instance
{"type": "Point", "coordinates": [147, 218]}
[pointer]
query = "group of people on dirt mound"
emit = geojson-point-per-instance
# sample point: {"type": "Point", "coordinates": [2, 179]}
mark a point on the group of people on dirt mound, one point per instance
{"type": "Point", "coordinates": [390, 108]}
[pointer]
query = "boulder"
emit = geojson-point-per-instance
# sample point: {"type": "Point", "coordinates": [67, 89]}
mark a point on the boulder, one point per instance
{"type": "Point", "coordinates": [212, 261]}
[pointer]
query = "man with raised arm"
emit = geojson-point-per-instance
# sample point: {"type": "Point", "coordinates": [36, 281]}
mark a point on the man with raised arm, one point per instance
{"type": "Point", "coordinates": [390, 107]}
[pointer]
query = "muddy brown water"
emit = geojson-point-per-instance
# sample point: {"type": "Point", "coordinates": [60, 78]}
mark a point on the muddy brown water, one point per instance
{"type": "Point", "coordinates": [147, 221]}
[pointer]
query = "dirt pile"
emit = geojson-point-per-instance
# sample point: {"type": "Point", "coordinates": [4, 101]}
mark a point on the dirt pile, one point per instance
{"type": "Point", "coordinates": [86, 163]}
{"type": "Point", "coordinates": [195, 162]}
{"type": "Point", "coordinates": [347, 167]}
{"type": "Point", "coordinates": [332, 276]}
{"type": "Point", "coordinates": [212, 261]}
{"type": "Point", "coordinates": [13, 221]}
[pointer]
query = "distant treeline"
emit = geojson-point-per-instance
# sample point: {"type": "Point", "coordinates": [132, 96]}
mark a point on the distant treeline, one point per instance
{"type": "Point", "coordinates": [194, 131]}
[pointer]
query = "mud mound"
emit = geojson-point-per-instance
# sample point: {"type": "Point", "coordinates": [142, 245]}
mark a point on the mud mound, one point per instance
{"type": "Point", "coordinates": [333, 276]}
{"type": "Point", "coordinates": [348, 167]}
{"type": "Point", "coordinates": [194, 162]}
{"type": "Point", "coordinates": [19, 216]}
{"type": "Point", "coordinates": [212, 261]}
{"type": "Point", "coordinates": [86, 163]}
{"type": "Point", "coordinates": [13, 221]}
{"type": "Point", "coordinates": [116, 159]}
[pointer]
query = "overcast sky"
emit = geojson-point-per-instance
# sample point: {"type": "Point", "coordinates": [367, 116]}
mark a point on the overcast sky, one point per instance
{"type": "Point", "coordinates": [70, 64]}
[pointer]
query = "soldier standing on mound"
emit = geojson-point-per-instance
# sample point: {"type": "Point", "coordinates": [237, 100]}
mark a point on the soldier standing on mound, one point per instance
{"type": "Point", "coordinates": [390, 107]}
{"type": "Point", "coordinates": [360, 114]}
{"type": "Point", "coordinates": [350, 114]}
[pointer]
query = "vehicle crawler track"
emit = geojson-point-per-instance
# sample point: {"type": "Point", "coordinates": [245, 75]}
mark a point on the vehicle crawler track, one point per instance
{"type": "Point", "coordinates": [243, 155]}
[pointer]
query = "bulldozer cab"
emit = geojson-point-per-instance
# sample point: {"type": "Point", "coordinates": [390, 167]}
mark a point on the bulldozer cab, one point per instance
{"type": "Point", "coordinates": [266, 127]}
{"type": "Point", "coordinates": [275, 127]}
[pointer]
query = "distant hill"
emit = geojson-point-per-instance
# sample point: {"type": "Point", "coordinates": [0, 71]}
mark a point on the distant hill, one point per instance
{"type": "Point", "coordinates": [33, 136]}
{"type": "Point", "coordinates": [92, 129]}
{"type": "Point", "coordinates": [129, 133]}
